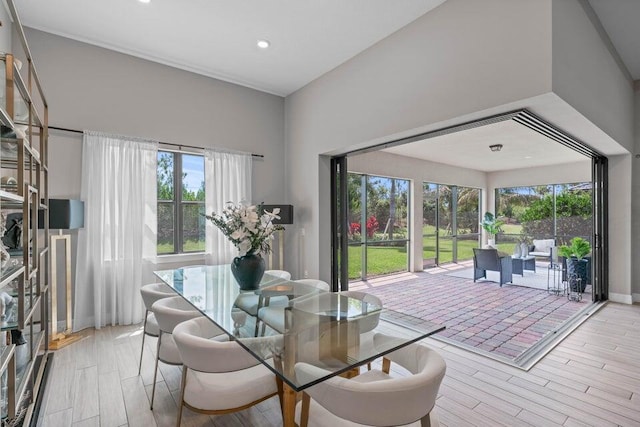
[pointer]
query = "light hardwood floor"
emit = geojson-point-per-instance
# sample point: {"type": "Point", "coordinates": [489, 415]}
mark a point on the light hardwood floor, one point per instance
{"type": "Point", "coordinates": [590, 379]}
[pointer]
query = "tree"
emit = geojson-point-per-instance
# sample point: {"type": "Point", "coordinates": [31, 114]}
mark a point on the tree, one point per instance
{"type": "Point", "coordinates": [165, 176]}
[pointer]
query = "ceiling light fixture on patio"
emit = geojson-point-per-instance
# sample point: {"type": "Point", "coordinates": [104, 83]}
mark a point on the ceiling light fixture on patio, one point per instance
{"type": "Point", "coordinates": [495, 147]}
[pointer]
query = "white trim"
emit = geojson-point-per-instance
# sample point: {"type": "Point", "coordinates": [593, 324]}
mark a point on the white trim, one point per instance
{"type": "Point", "coordinates": [621, 298]}
{"type": "Point", "coordinates": [179, 258]}
{"type": "Point", "coordinates": [635, 297]}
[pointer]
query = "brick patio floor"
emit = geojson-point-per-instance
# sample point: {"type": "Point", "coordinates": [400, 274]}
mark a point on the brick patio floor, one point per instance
{"type": "Point", "coordinates": [504, 321]}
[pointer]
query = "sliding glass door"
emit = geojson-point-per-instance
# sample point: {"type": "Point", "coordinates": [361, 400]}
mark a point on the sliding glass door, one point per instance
{"type": "Point", "coordinates": [451, 217]}
{"type": "Point", "coordinates": [378, 221]}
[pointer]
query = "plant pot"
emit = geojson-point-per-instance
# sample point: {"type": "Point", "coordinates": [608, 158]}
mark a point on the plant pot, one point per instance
{"type": "Point", "coordinates": [248, 271]}
{"type": "Point", "coordinates": [491, 243]}
{"type": "Point", "coordinates": [578, 267]}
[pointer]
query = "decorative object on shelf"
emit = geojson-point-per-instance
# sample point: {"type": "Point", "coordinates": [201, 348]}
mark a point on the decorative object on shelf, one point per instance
{"type": "Point", "coordinates": [250, 228]}
{"type": "Point", "coordinates": [6, 302]}
{"type": "Point", "coordinates": [492, 226]}
{"type": "Point", "coordinates": [4, 255]}
{"type": "Point", "coordinates": [286, 218]}
{"type": "Point", "coordinates": [575, 252]}
{"type": "Point", "coordinates": [12, 237]}
{"type": "Point", "coordinates": [64, 214]}
{"type": "Point", "coordinates": [8, 181]}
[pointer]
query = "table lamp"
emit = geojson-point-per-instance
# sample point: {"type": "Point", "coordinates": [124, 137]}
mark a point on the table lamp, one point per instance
{"type": "Point", "coordinates": [286, 218]}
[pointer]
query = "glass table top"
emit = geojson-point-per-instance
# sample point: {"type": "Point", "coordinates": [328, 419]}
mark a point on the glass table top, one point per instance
{"type": "Point", "coordinates": [329, 330]}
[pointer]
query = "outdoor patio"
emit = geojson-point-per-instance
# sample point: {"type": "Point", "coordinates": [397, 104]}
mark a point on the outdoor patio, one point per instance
{"type": "Point", "coordinates": [500, 322]}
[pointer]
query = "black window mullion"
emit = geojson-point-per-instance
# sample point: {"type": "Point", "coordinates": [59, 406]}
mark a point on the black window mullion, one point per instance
{"type": "Point", "coordinates": [177, 179]}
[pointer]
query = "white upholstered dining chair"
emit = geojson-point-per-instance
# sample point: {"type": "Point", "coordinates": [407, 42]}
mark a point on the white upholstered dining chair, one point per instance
{"type": "Point", "coordinates": [220, 377]}
{"type": "Point", "coordinates": [169, 313]}
{"type": "Point", "coordinates": [150, 294]}
{"type": "Point", "coordinates": [374, 398]}
{"type": "Point", "coordinates": [273, 315]}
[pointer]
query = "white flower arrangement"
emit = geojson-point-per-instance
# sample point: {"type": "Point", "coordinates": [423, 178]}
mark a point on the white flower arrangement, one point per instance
{"type": "Point", "coordinates": [250, 228]}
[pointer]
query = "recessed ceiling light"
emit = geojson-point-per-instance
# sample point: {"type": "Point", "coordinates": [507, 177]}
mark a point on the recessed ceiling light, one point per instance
{"type": "Point", "coordinates": [527, 157]}
{"type": "Point", "coordinates": [145, 1]}
{"type": "Point", "coordinates": [263, 44]}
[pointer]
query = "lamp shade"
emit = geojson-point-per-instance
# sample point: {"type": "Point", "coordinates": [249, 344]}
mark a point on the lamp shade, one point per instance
{"type": "Point", "coordinates": [66, 214]}
{"type": "Point", "coordinates": [286, 213]}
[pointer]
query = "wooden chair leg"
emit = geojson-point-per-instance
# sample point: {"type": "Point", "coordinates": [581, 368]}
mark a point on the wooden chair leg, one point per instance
{"type": "Point", "coordinates": [386, 365]}
{"type": "Point", "coordinates": [183, 384]}
{"type": "Point", "coordinates": [304, 414]}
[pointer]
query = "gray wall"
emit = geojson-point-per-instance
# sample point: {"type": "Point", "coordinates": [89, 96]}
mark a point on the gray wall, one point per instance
{"type": "Point", "coordinates": [88, 87]}
{"type": "Point", "coordinates": [462, 58]}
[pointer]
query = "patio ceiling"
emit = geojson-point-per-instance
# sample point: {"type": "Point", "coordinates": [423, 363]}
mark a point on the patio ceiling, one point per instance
{"type": "Point", "coordinates": [522, 148]}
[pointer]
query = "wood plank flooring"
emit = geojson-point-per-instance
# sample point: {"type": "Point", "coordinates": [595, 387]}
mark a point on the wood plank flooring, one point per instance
{"type": "Point", "coordinates": [590, 379]}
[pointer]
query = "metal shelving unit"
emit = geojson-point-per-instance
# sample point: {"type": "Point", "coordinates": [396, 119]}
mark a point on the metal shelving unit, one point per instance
{"type": "Point", "coordinates": [23, 191]}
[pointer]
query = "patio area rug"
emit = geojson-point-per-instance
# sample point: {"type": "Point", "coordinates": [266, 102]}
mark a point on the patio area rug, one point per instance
{"type": "Point", "coordinates": [537, 280]}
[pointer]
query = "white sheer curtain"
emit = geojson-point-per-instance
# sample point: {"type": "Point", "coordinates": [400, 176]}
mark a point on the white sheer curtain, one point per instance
{"type": "Point", "coordinates": [117, 246]}
{"type": "Point", "coordinates": [227, 179]}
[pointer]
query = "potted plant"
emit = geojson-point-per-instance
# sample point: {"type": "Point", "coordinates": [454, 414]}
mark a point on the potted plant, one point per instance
{"type": "Point", "coordinates": [577, 265]}
{"type": "Point", "coordinates": [492, 226]}
{"type": "Point", "coordinates": [250, 229]}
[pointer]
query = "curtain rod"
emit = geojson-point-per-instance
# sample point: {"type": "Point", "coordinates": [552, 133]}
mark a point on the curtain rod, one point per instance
{"type": "Point", "coordinates": [260, 156]}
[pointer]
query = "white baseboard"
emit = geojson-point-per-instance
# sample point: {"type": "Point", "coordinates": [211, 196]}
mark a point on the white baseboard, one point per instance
{"type": "Point", "coordinates": [635, 297]}
{"type": "Point", "coordinates": [621, 298]}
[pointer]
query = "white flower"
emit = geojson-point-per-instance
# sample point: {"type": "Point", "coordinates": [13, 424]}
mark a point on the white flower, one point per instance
{"type": "Point", "coordinates": [238, 235]}
{"type": "Point", "coordinates": [244, 247]}
{"type": "Point", "coordinates": [249, 229]}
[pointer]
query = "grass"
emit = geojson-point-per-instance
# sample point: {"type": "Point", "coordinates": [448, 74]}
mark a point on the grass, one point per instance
{"type": "Point", "coordinates": [380, 260]}
{"type": "Point", "coordinates": [386, 260]}
{"type": "Point", "coordinates": [189, 246]}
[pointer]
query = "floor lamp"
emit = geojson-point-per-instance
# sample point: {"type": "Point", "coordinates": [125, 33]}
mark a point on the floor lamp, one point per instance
{"type": "Point", "coordinates": [286, 218]}
{"type": "Point", "coordinates": [64, 214]}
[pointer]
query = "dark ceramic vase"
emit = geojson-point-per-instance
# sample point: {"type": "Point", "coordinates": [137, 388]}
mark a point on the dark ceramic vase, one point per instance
{"type": "Point", "coordinates": [577, 267]}
{"type": "Point", "coordinates": [248, 271]}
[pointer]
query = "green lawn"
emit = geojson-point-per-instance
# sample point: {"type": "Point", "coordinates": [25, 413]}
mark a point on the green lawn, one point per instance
{"type": "Point", "coordinates": [385, 260]}
{"type": "Point", "coordinates": [380, 260]}
{"type": "Point", "coordinates": [189, 246]}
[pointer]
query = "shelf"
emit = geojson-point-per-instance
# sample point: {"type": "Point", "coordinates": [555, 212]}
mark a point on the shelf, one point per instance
{"type": "Point", "coordinates": [5, 195]}
{"type": "Point", "coordinates": [24, 364]}
{"type": "Point", "coordinates": [24, 92]}
{"type": "Point", "coordinates": [29, 311]}
{"type": "Point", "coordinates": [7, 352]}
{"type": "Point", "coordinates": [5, 120]}
{"type": "Point", "coordinates": [10, 274]}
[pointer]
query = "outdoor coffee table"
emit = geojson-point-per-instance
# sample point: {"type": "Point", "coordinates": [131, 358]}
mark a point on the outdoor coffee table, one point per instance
{"type": "Point", "coordinates": [523, 263]}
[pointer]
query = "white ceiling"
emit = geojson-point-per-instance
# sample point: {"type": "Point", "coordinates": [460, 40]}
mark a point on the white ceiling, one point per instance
{"type": "Point", "coordinates": [218, 38]}
{"type": "Point", "coordinates": [621, 21]}
{"type": "Point", "coordinates": [522, 148]}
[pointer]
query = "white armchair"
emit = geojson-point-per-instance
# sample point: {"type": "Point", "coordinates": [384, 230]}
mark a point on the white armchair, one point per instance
{"type": "Point", "coordinates": [375, 398]}
{"type": "Point", "coordinates": [220, 377]}
{"type": "Point", "coordinates": [542, 248]}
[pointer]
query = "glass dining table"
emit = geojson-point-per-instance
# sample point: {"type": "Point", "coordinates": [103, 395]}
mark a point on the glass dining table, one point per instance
{"type": "Point", "coordinates": [325, 329]}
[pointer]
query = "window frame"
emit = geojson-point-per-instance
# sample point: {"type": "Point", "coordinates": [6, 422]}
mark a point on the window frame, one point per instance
{"type": "Point", "coordinates": [178, 203]}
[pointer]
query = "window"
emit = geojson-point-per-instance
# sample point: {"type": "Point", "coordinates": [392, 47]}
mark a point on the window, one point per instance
{"type": "Point", "coordinates": [181, 226]}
